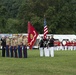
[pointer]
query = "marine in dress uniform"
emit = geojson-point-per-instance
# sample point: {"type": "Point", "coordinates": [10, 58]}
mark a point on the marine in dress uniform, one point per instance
{"type": "Point", "coordinates": [20, 46]}
{"type": "Point", "coordinates": [46, 51]}
{"type": "Point", "coordinates": [58, 46]}
{"type": "Point", "coordinates": [41, 47]}
{"type": "Point", "coordinates": [71, 45]}
{"type": "Point", "coordinates": [63, 44]}
{"type": "Point", "coordinates": [3, 44]}
{"type": "Point", "coordinates": [66, 45]}
{"type": "Point", "coordinates": [11, 47]}
{"type": "Point", "coordinates": [15, 46]}
{"type": "Point", "coordinates": [7, 46]}
{"type": "Point", "coordinates": [74, 45]}
{"type": "Point", "coordinates": [51, 46]}
{"type": "Point", "coordinates": [24, 41]}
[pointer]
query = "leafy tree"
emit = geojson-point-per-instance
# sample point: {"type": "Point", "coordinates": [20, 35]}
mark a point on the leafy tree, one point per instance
{"type": "Point", "coordinates": [12, 26]}
{"type": "Point", "coordinates": [60, 15]}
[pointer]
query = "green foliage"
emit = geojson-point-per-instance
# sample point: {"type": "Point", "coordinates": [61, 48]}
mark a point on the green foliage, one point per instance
{"type": "Point", "coordinates": [60, 15]}
{"type": "Point", "coordinates": [37, 23]}
{"type": "Point", "coordinates": [12, 25]}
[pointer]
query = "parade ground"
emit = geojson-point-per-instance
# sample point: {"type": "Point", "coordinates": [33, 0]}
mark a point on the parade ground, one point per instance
{"type": "Point", "coordinates": [63, 63]}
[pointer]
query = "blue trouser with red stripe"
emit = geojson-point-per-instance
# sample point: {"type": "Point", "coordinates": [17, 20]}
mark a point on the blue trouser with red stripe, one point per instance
{"type": "Point", "coordinates": [19, 51]}
{"type": "Point", "coordinates": [15, 51]}
{"type": "Point", "coordinates": [25, 51]}
{"type": "Point", "coordinates": [7, 50]}
{"type": "Point", "coordinates": [11, 51]}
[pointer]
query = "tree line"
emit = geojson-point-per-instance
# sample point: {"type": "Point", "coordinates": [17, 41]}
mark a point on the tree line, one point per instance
{"type": "Point", "coordinates": [60, 15]}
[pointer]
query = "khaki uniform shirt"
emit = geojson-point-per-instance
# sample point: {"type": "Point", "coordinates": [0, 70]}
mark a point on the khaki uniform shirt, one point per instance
{"type": "Point", "coordinates": [12, 42]}
{"type": "Point", "coordinates": [15, 42]}
{"type": "Point", "coordinates": [7, 41]}
{"type": "Point", "coordinates": [24, 41]}
{"type": "Point", "coordinates": [19, 40]}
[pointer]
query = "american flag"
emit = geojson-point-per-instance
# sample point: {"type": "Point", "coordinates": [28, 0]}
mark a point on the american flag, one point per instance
{"type": "Point", "coordinates": [45, 28]}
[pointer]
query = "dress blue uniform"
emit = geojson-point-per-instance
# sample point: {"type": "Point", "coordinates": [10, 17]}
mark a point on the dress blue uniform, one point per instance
{"type": "Point", "coordinates": [51, 46]}
{"type": "Point", "coordinates": [46, 51]}
{"type": "Point", "coordinates": [41, 47]}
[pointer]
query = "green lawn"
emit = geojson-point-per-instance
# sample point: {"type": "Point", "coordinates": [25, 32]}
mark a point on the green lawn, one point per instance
{"type": "Point", "coordinates": [64, 63]}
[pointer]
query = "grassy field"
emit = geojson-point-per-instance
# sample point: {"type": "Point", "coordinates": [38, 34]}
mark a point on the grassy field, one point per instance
{"type": "Point", "coordinates": [64, 63]}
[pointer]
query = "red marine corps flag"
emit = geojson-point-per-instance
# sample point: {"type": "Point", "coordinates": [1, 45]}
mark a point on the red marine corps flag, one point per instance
{"type": "Point", "coordinates": [45, 28]}
{"type": "Point", "coordinates": [32, 35]}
